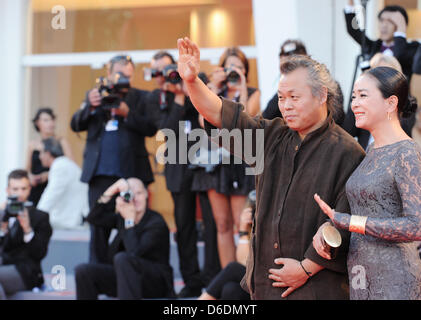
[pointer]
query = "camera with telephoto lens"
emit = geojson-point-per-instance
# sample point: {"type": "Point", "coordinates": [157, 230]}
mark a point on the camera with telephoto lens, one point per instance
{"type": "Point", "coordinates": [127, 195]}
{"type": "Point", "coordinates": [149, 73]}
{"type": "Point", "coordinates": [113, 91]}
{"type": "Point", "coordinates": [232, 75]}
{"type": "Point", "coordinates": [171, 74]}
{"type": "Point", "coordinates": [14, 207]}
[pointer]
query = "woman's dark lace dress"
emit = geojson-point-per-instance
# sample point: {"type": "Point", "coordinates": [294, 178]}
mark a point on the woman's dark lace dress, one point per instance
{"type": "Point", "coordinates": [386, 187]}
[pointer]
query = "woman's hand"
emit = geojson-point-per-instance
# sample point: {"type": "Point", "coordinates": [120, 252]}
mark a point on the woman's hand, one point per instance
{"type": "Point", "coordinates": [217, 77]}
{"type": "Point", "coordinates": [325, 207]}
{"type": "Point", "coordinates": [189, 59]}
{"type": "Point", "coordinates": [340, 220]}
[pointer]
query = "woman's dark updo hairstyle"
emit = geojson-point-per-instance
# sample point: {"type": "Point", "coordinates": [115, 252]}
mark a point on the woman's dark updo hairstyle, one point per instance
{"type": "Point", "coordinates": [393, 83]}
{"type": "Point", "coordinates": [40, 111]}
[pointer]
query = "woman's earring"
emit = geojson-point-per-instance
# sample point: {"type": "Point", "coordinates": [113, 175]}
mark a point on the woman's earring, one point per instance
{"type": "Point", "coordinates": [388, 116]}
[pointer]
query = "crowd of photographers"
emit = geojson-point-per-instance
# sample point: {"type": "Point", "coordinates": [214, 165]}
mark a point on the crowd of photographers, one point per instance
{"type": "Point", "coordinates": [113, 189]}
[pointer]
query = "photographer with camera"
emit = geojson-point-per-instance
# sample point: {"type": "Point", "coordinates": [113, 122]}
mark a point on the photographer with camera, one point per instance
{"type": "Point", "coordinates": [226, 285]}
{"type": "Point", "coordinates": [137, 263]}
{"type": "Point", "coordinates": [393, 23]}
{"type": "Point", "coordinates": [115, 117]}
{"type": "Point", "coordinates": [24, 236]}
{"type": "Point", "coordinates": [172, 108]}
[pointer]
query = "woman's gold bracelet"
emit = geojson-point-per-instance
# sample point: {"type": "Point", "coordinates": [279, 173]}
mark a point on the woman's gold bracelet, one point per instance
{"type": "Point", "coordinates": [357, 224]}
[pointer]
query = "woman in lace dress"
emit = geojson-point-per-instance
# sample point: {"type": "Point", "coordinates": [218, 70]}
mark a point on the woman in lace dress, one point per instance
{"type": "Point", "coordinates": [384, 194]}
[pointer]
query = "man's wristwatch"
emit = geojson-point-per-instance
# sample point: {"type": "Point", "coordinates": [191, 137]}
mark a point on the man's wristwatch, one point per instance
{"type": "Point", "coordinates": [128, 223]}
{"type": "Point", "coordinates": [243, 233]}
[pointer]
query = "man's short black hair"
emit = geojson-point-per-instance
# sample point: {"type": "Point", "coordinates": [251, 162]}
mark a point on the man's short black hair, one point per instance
{"type": "Point", "coordinates": [121, 59]}
{"type": "Point", "coordinates": [395, 8]}
{"type": "Point", "coordinates": [17, 175]}
{"type": "Point", "coordinates": [162, 54]}
{"type": "Point", "coordinates": [53, 146]}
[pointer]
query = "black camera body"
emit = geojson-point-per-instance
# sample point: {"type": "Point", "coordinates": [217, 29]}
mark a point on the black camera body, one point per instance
{"type": "Point", "coordinates": [113, 91]}
{"type": "Point", "coordinates": [232, 75]}
{"type": "Point", "coordinates": [149, 73]}
{"type": "Point", "coordinates": [14, 207]}
{"type": "Point", "coordinates": [127, 195]}
{"type": "Point", "coordinates": [171, 74]}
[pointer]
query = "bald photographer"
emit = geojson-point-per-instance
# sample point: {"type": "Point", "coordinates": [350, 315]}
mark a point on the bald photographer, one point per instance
{"type": "Point", "coordinates": [138, 258]}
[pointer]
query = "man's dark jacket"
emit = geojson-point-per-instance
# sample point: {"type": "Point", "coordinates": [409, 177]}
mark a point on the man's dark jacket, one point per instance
{"type": "Point", "coordinates": [169, 118]}
{"type": "Point", "coordinates": [148, 240]}
{"type": "Point", "coordinates": [27, 256]}
{"type": "Point", "coordinates": [134, 159]}
{"type": "Point", "coordinates": [287, 216]}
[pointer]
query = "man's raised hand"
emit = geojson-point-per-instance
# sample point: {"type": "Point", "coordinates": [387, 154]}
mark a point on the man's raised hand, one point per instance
{"type": "Point", "coordinates": [188, 60]}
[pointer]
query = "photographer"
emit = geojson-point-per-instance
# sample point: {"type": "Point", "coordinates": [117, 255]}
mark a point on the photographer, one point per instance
{"type": "Point", "coordinates": [115, 145]}
{"type": "Point", "coordinates": [25, 234]}
{"type": "Point", "coordinates": [171, 106]}
{"type": "Point", "coordinates": [138, 258]}
{"type": "Point", "coordinates": [393, 22]}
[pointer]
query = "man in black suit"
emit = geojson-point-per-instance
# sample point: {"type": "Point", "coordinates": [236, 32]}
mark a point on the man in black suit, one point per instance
{"type": "Point", "coordinates": [138, 258]}
{"type": "Point", "coordinates": [115, 145]}
{"type": "Point", "coordinates": [171, 108]}
{"type": "Point", "coordinates": [393, 22]}
{"type": "Point", "coordinates": [24, 240]}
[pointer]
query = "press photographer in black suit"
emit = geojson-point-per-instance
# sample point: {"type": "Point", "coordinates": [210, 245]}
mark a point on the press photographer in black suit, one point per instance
{"type": "Point", "coordinates": [138, 258]}
{"type": "Point", "coordinates": [115, 146]}
{"type": "Point", "coordinates": [25, 234]}
{"type": "Point", "coordinates": [170, 106]}
{"type": "Point", "coordinates": [393, 23]}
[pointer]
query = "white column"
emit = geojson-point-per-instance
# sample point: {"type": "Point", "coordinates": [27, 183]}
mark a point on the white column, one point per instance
{"type": "Point", "coordinates": [274, 22]}
{"type": "Point", "coordinates": [320, 25]}
{"type": "Point", "coordinates": [13, 14]}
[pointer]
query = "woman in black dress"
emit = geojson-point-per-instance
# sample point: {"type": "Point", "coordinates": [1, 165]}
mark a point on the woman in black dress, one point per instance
{"type": "Point", "coordinates": [44, 123]}
{"type": "Point", "coordinates": [228, 185]}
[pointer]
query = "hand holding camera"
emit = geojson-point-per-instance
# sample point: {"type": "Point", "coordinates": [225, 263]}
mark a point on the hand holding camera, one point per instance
{"type": "Point", "coordinates": [124, 203]}
{"type": "Point", "coordinates": [94, 98]}
{"type": "Point", "coordinates": [18, 209]}
{"type": "Point", "coordinates": [109, 93]}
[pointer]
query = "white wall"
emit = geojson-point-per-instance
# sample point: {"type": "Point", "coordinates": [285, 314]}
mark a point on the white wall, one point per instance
{"type": "Point", "coordinates": [320, 25]}
{"type": "Point", "coordinates": [12, 40]}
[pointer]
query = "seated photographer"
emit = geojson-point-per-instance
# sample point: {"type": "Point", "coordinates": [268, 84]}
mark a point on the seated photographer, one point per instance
{"type": "Point", "coordinates": [393, 23]}
{"type": "Point", "coordinates": [25, 234]}
{"type": "Point", "coordinates": [138, 258]}
{"type": "Point", "coordinates": [226, 285]}
{"type": "Point", "coordinates": [171, 106]}
{"type": "Point", "coordinates": [66, 197]}
{"type": "Point", "coordinates": [115, 118]}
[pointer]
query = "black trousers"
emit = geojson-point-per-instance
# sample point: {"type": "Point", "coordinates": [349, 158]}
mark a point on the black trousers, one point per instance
{"type": "Point", "coordinates": [129, 278]}
{"type": "Point", "coordinates": [98, 246]}
{"type": "Point", "coordinates": [212, 266]}
{"type": "Point", "coordinates": [226, 285]}
{"type": "Point", "coordinates": [186, 236]}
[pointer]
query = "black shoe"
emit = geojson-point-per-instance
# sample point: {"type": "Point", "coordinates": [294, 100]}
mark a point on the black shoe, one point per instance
{"type": "Point", "coordinates": [188, 292]}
